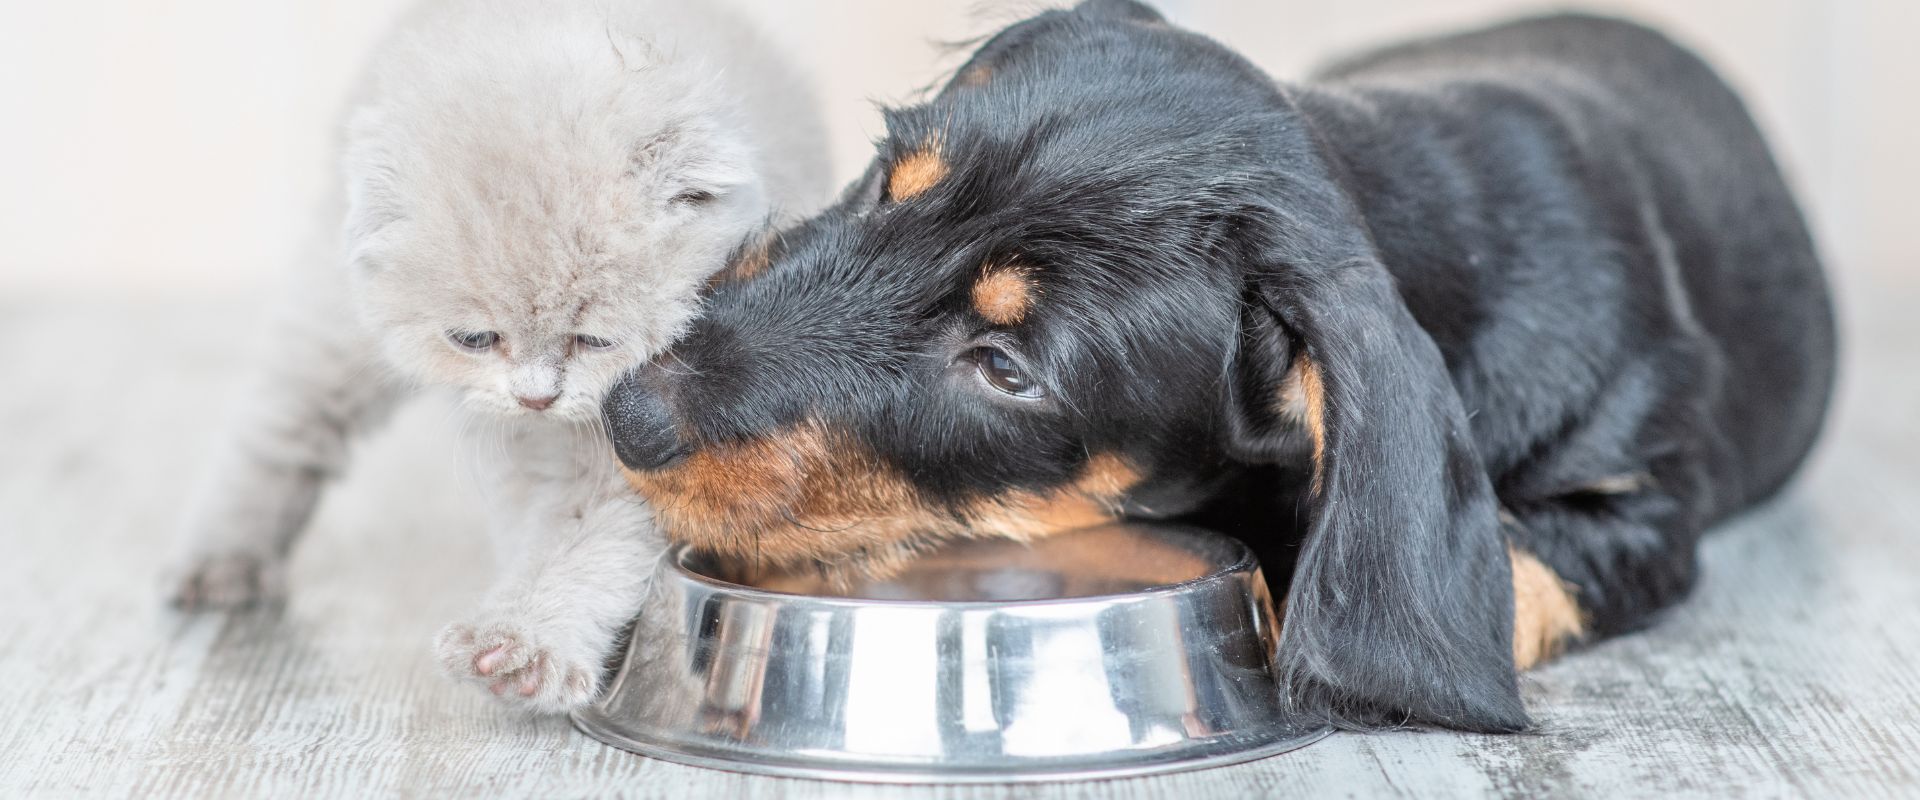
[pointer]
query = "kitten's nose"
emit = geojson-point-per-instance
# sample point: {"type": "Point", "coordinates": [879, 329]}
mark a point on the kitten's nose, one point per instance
{"type": "Point", "coordinates": [641, 423]}
{"type": "Point", "coordinates": [537, 403]}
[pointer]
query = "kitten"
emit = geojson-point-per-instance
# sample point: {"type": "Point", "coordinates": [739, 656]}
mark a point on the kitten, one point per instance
{"type": "Point", "coordinates": [536, 191]}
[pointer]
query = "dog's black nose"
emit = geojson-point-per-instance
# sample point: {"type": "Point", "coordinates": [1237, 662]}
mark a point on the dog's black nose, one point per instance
{"type": "Point", "coordinates": [641, 423]}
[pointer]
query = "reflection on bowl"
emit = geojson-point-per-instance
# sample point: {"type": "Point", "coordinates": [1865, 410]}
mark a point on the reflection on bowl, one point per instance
{"type": "Point", "coordinates": [1121, 650]}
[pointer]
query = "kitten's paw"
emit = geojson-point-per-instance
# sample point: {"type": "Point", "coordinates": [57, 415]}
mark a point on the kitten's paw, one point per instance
{"type": "Point", "coordinates": [233, 579]}
{"type": "Point", "coordinates": [520, 666]}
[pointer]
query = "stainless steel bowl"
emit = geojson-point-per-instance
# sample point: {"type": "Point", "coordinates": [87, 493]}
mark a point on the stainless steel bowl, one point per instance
{"type": "Point", "coordinates": [1123, 650]}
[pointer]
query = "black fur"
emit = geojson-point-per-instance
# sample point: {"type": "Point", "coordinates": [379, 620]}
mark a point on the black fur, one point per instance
{"type": "Point", "coordinates": [1547, 268]}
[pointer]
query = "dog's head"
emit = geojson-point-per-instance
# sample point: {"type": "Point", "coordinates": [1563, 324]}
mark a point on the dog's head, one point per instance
{"type": "Point", "coordinates": [1102, 272]}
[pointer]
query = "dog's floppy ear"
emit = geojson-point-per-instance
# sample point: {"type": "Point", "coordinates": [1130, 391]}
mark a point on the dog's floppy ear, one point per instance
{"type": "Point", "coordinates": [1401, 605]}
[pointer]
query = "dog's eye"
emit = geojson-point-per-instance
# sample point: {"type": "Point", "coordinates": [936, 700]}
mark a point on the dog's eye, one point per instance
{"type": "Point", "coordinates": [591, 342]}
{"type": "Point", "coordinates": [695, 197]}
{"type": "Point", "coordinates": [999, 371]}
{"type": "Point", "coordinates": [477, 341]}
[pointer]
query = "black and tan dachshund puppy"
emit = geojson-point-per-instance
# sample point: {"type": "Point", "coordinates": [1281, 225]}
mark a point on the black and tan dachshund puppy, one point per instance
{"type": "Point", "coordinates": [1470, 338]}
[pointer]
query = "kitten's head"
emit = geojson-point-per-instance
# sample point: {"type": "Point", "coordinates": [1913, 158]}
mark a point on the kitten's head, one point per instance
{"type": "Point", "coordinates": [535, 201]}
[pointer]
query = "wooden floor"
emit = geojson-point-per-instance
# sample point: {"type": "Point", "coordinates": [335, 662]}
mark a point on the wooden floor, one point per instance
{"type": "Point", "coordinates": [1790, 673]}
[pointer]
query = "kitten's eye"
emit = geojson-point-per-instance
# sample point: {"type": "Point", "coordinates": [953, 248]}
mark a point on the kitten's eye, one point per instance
{"type": "Point", "coordinates": [999, 371]}
{"type": "Point", "coordinates": [477, 341]}
{"type": "Point", "coordinates": [695, 197]}
{"type": "Point", "coordinates": [592, 342]}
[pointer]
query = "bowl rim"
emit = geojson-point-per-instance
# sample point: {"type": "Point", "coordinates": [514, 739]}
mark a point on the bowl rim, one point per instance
{"type": "Point", "coordinates": [1244, 561]}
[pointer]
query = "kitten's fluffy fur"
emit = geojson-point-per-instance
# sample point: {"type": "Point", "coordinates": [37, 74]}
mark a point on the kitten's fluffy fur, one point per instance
{"type": "Point", "coordinates": [544, 170]}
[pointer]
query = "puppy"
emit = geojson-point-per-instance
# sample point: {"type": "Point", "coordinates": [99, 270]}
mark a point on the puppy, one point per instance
{"type": "Point", "coordinates": [1470, 338]}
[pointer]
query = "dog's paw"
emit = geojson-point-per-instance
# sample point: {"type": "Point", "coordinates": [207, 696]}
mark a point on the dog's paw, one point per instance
{"type": "Point", "coordinates": [520, 665]}
{"type": "Point", "coordinates": [230, 579]}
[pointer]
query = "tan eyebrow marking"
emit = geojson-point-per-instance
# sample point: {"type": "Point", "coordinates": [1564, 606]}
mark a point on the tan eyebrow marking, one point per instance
{"type": "Point", "coordinates": [1004, 294]}
{"type": "Point", "coordinates": [917, 172]}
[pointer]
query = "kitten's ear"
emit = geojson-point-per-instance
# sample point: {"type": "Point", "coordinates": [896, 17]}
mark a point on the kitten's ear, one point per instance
{"type": "Point", "coordinates": [1401, 604]}
{"type": "Point", "coordinates": [373, 199]}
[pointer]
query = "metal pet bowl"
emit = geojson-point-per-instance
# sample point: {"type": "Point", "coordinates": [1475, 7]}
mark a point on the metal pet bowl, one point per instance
{"type": "Point", "coordinates": [1124, 650]}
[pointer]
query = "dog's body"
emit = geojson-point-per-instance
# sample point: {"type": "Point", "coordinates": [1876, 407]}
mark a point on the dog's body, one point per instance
{"type": "Point", "coordinates": [1586, 222]}
{"type": "Point", "coordinates": [1470, 338]}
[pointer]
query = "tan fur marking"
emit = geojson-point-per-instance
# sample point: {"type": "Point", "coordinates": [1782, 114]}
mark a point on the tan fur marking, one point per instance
{"type": "Point", "coordinates": [1618, 484]}
{"type": "Point", "coordinates": [977, 76]}
{"type": "Point", "coordinates": [749, 263]}
{"type": "Point", "coordinates": [1004, 294]}
{"type": "Point", "coordinates": [750, 500]}
{"type": "Point", "coordinates": [1545, 615]}
{"type": "Point", "coordinates": [1303, 399]}
{"type": "Point", "coordinates": [1091, 499]}
{"type": "Point", "coordinates": [807, 495]}
{"type": "Point", "coordinates": [917, 172]}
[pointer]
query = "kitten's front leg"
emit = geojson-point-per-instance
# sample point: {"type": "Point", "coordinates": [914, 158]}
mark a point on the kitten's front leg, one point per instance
{"type": "Point", "coordinates": [576, 569]}
{"type": "Point", "coordinates": [317, 391]}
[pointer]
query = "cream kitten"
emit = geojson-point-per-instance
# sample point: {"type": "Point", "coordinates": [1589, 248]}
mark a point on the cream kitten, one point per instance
{"type": "Point", "coordinates": [536, 192]}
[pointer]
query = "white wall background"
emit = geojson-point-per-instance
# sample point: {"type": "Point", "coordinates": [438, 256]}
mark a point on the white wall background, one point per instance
{"type": "Point", "coordinates": [180, 147]}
